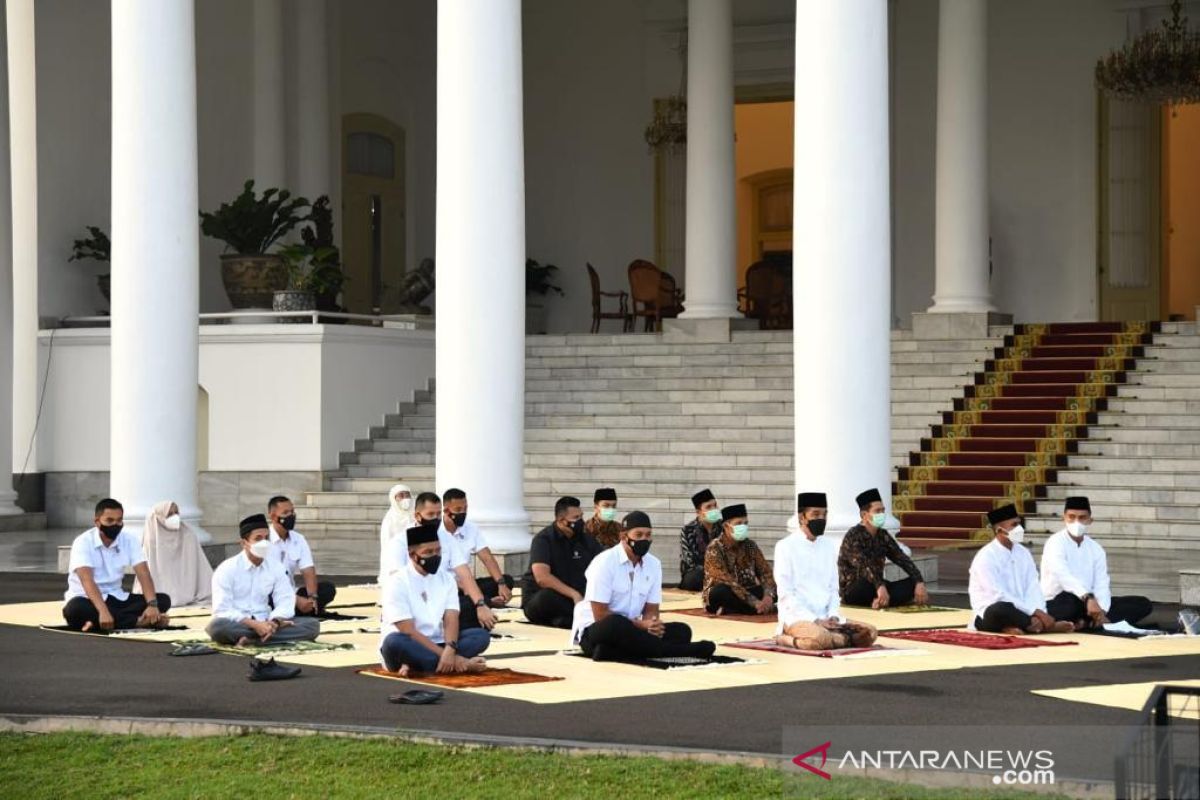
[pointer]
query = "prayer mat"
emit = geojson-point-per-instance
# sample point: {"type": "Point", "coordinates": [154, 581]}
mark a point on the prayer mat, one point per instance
{"type": "Point", "coordinates": [334, 616]}
{"type": "Point", "coordinates": [281, 649]}
{"type": "Point", "coordinates": [490, 677]}
{"type": "Point", "coordinates": [909, 609]}
{"type": "Point", "coordinates": [701, 612]}
{"type": "Point", "coordinates": [676, 662]}
{"type": "Point", "coordinates": [1130, 696]}
{"type": "Point", "coordinates": [979, 641]}
{"type": "Point", "coordinates": [771, 646]}
{"type": "Point", "coordinates": [118, 633]}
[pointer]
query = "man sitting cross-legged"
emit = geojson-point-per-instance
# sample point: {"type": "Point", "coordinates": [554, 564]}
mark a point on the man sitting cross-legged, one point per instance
{"type": "Point", "coordinates": [1003, 583]}
{"type": "Point", "coordinates": [95, 599]}
{"type": "Point", "coordinates": [419, 629]}
{"type": "Point", "coordinates": [1075, 579]}
{"type": "Point", "coordinates": [603, 525]}
{"type": "Point", "coordinates": [558, 560]}
{"type": "Point", "coordinates": [806, 573]}
{"type": "Point", "coordinates": [737, 577]}
{"type": "Point", "coordinates": [695, 539]}
{"type": "Point", "coordinates": [476, 596]}
{"type": "Point", "coordinates": [865, 550]}
{"type": "Point", "coordinates": [618, 618]}
{"type": "Point", "coordinates": [294, 554]}
{"type": "Point", "coordinates": [254, 601]}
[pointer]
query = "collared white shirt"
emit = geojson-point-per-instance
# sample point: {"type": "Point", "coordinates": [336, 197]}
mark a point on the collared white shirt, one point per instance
{"type": "Point", "coordinates": [292, 553]}
{"type": "Point", "coordinates": [999, 574]}
{"type": "Point", "coordinates": [424, 599]}
{"type": "Point", "coordinates": [241, 590]}
{"type": "Point", "coordinates": [465, 542]}
{"type": "Point", "coordinates": [108, 563]}
{"type": "Point", "coordinates": [614, 580]}
{"type": "Point", "coordinates": [1079, 568]}
{"type": "Point", "coordinates": [806, 575]}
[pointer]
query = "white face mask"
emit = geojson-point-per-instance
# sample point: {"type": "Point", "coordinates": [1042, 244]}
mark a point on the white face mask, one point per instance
{"type": "Point", "coordinates": [404, 503]}
{"type": "Point", "coordinates": [1016, 535]}
{"type": "Point", "coordinates": [172, 522]}
{"type": "Point", "coordinates": [1077, 529]}
{"type": "Point", "coordinates": [261, 548]}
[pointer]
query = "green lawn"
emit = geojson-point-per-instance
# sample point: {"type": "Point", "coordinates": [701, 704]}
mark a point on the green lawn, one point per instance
{"type": "Point", "coordinates": [258, 766]}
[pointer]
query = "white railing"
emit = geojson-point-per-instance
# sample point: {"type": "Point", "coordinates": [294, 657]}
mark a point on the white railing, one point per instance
{"type": "Point", "coordinates": [269, 317]}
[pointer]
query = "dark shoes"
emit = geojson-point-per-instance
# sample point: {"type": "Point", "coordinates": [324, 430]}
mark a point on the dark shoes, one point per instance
{"type": "Point", "coordinates": [270, 671]}
{"type": "Point", "coordinates": [417, 697]}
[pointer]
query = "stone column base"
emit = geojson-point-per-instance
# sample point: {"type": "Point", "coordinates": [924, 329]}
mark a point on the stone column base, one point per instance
{"type": "Point", "coordinates": [974, 325]}
{"type": "Point", "coordinates": [716, 329]}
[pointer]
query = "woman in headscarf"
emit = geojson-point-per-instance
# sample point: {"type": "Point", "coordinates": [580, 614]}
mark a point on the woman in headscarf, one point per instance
{"type": "Point", "coordinates": [175, 558]}
{"type": "Point", "coordinates": [396, 523]}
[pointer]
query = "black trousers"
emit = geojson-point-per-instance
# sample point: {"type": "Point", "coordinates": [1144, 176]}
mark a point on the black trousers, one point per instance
{"type": "Point", "coordinates": [548, 607]}
{"type": "Point", "coordinates": [999, 616]}
{"type": "Point", "coordinates": [125, 613]}
{"type": "Point", "coordinates": [326, 591]}
{"type": "Point", "coordinates": [616, 638]}
{"type": "Point", "coordinates": [721, 596]}
{"type": "Point", "coordinates": [1131, 609]}
{"type": "Point", "coordinates": [692, 580]}
{"type": "Point", "coordinates": [468, 616]}
{"type": "Point", "coordinates": [862, 593]}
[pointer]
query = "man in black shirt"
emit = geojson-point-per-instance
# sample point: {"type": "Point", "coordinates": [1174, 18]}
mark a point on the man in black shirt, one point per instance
{"type": "Point", "coordinates": [558, 560]}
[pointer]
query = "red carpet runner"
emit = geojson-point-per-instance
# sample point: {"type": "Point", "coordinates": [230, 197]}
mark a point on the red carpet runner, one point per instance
{"type": "Point", "coordinates": [1012, 428]}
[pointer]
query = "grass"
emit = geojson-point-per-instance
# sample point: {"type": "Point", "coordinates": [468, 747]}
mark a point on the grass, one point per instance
{"type": "Point", "coordinates": [69, 765]}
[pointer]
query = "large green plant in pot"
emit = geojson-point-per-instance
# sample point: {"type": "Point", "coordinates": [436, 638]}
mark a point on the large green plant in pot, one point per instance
{"type": "Point", "coordinates": [250, 226]}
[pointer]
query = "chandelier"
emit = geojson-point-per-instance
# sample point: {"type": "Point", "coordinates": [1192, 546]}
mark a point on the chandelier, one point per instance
{"type": "Point", "coordinates": [1161, 65]}
{"type": "Point", "coordinates": [668, 128]}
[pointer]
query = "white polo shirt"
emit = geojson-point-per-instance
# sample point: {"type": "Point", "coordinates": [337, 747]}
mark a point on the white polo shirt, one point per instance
{"type": "Point", "coordinates": [108, 563]}
{"type": "Point", "coordinates": [241, 590]}
{"type": "Point", "coordinates": [465, 542]}
{"type": "Point", "coordinates": [424, 599]}
{"type": "Point", "coordinates": [293, 553]}
{"type": "Point", "coordinates": [614, 580]}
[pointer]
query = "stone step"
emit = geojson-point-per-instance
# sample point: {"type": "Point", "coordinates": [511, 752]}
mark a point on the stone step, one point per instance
{"type": "Point", "coordinates": [1133, 465]}
{"type": "Point", "coordinates": [1183, 380]}
{"type": "Point", "coordinates": [1120, 534]}
{"type": "Point", "coordinates": [1127, 476]}
{"type": "Point", "coordinates": [1103, 495]}
{"type": "Point", "coordinates": [27, 521]}
{"type": "Point", "coordinates": [1123, 434]}
{"type": "Point", "coordinates": [1133, 450]}
{"type": "Point", "coordinates": [1184, 362]}
{"type": "Point", "coordinates": [1149, 406]}
{"type": "Point", "coordinates": [1128, 419]}
{"type": "Point", "coordinates": [1122, 513]}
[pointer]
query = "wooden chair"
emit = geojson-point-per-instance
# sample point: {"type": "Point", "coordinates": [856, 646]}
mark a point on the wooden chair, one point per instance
{"type": "Point", "coordinates": [767, 295]}
{"type": "Point", "coordinates": [598, 313]}
{"type": "Point", "coordinates": [646, 290]}
{"type": "Point", "coordinates": [670, 297]}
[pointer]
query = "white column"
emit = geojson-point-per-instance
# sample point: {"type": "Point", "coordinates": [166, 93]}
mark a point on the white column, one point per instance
{"type": "Point", "coordinates": [7, 496]}
{"type": "Point", "coordinates": [961, 238]}
{"type": "Point", "coordinates": [314, 169]}
{"type": "Point", "coordinates": [22, 144]}
{"type": "Point", "coordinates": [270, 152]}
{"type": "Point", "coordinates": [481, 271]}
{"type": "Point", "coordinates": [842, 273]}
{"type": "Point", "coordinates": [155, 257]}
{"type": "Point", "coordinates": [710, 250]}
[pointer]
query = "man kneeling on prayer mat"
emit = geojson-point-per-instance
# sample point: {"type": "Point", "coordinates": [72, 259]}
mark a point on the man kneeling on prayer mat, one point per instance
{"type": "Point", "coordinates": [419, 629]}
{"type": "Point", "coordinates": [695, 539]}
{"type": "Point", "coordinates": [254, 601]}
{"type": "Point", "coordinates": [806, 573]}
{"type": "Point", "coordinates": [737, 577]}
{"type": "Point", "coordinates": [1003, 583]}
{"type": "Point", "coordinates": [1075, 579]}
{"type": "Point", "coordinates": [866, 549]}
{"type": "Point", "coordinates": [99, 556]}
{"type": "Point", "coordinates": [618, 618]}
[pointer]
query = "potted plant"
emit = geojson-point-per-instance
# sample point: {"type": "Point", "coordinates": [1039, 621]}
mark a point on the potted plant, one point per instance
{"type": "Point", "coordinates": [250, 226]}
{"type": "Point", "coordinates": [308, 271]}
{"type": "Point", "coordinates": [95, 247]}
{"type": "Point", "coordinates": [537, 286]}
{"type": "Point", "coordinates": [326, 278]}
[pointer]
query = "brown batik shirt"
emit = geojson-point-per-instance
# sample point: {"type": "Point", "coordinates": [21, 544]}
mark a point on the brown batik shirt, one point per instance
{"type": "Point", "coordinates": [864, 555]}
{"type": "Point", "coordinates": [739, 565]}
{"type": "Point", "coordinates": [606, 534]}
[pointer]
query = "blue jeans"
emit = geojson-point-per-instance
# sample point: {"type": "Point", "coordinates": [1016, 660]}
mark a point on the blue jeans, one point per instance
{"type": "Point", "coordinates": [400, 648]}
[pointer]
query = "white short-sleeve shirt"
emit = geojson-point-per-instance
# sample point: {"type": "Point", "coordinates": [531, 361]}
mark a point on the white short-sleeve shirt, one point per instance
{"type": "Point", "coordinates": [244, 590]}
{"type": "Point", "coordinates": [614, 580]}
{"type": "Point", "coordinates": [293, 553]}
{"type": "Point", "coordinates": [108, 563]}
{"type": "Point", "coordinates": [464, 543]}
{"type": "Point", "coordinates": [424, 599]}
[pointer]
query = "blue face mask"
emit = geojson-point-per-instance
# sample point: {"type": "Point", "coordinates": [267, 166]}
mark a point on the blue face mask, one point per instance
{"type": "Point", "coordinates": [741, 532]}
{"type": "Point", "coordinates": [712, 515]}
{"type": "Point", "coordinates": [608, 514]}
{"type": "Point", "coordinates": [878, 519]}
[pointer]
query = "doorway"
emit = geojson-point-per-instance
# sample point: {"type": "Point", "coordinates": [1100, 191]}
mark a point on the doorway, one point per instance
{"type": "Point", "coordinates": [373, 213]}
{"type": "Point", "coordinates": [1181, 211]}
{"type": "Point", "coordinates": [763, 133]}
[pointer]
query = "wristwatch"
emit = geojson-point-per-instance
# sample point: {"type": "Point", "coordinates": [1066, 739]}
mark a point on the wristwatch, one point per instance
{"type": "Point", "coordinates": [453, 645]}
{"type": "Point", "coordinates": [1087, 597]}
{"type": "Point", "coordinates": [480, 603]}
{"type": "Point", "coordinates": [153, 603]}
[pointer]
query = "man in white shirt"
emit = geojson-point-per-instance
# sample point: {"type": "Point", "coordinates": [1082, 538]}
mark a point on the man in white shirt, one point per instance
{"type": "Point", "coordinates": [806, 577]}
{"type": "Point", "coordinates": [617, 619]}
{"type": "Point", "coordinates": [1075, 579]}
{"type": "Point", "coordinates": [419, 624]}
{"type": "Point", "coordinates": [254, 601]}
{"type": "Point", "coordinates": [294, 554]}
{"type": "Point", "coordinates": [95, 599]}
{"type": "Point", "coordinates": [476, 596]}
{"type": "Point", "coordinates": [1003, 583]}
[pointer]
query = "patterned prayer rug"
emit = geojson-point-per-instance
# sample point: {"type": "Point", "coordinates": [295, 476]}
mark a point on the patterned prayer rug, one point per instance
{"type": "Point", "coordinates": [489, 677]}
{"type": "Point", "coordinates": [979, 641]}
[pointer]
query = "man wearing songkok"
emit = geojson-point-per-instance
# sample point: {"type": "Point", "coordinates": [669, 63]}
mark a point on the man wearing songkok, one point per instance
{"type": "Point", "coordinates": [558, 560]}
{"type": "Point", "coordinates": [865, 550]}
{"type": "Point", "coordinates": [419, 624]}
{"type": "Point", "coordinates": [618, 618]}
{"type": "Point", "coordinates": [1075, 580]}
{"type": "Point", "coordinates": [293, 552]}
{"type": "Point", "coordinates": [806, 573]}
{"type": "Point", "coordinates": [737, 577]}
{"type": "Point", "coordinates": [695, 538]}
{"type": "Point", "coordinates": [1003, 583]}
{"type": "Point", "coordinates": [94, 598]}
{"type": "Point", "coordinates": [254, 601]}
{"type": "Point", "coordinates": [603, 525]}
{"type": "Point", "coordinates": [476, 596]}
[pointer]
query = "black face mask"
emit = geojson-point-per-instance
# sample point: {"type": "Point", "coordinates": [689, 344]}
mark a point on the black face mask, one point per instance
{"type": "Point", "coordinates": [430, 563]}
{"type": "Point", "coordinates": [816, 526]}
{"type": "Point", "coordinates": [639, 547]}
{"type": "Point", "coordinates": [288, 522]}
{"type": "Point", "coordinates": [459, 519]}
{"type": "Point", "coordinates": [111, 531]}
{"type": "Point", "coordinates": [576, 526]}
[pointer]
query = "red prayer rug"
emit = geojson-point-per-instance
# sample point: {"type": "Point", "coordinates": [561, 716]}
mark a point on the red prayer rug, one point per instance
{"type": "Point", "coordinates": [771, 646]}
{"type": "Point", "coordinates": [979, 641]}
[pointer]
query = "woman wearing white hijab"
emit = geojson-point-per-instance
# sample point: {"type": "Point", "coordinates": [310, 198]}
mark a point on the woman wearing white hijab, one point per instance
{"type": "Point", "coordinates": [175, 558]}
{"type": "Point", "coordinates": [396, 523]}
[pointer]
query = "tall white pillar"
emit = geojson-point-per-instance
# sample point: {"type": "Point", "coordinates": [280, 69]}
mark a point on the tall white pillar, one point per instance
{"type": "Point", "coordinates": [8, 498]}
{"type": "Point", "coordinates": [961, 237]}
{"type": "Point", "coordinates": [23, 155]}
{"type": "Point", "coordinates": [481, 270]}
{"type": "Point", "coordinates": [270, 152]}
{"type": "Point", "coordinates": [155, 257]}
{"type": "Point", "coordinates": [842, 273]}
{"type": "Point", "coordinates": [710, 248]}
{"type": "Point", "coordinates": [313, 124]}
